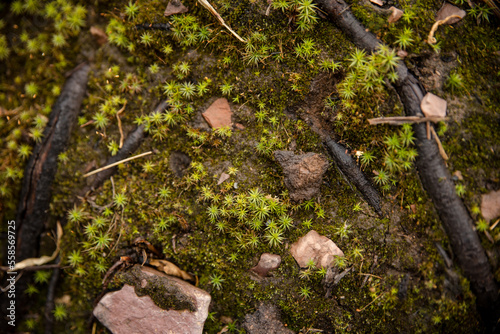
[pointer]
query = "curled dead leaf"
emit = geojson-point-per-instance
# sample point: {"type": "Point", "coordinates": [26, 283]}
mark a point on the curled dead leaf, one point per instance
{"type": "Point", "coordinates": [171, 269]}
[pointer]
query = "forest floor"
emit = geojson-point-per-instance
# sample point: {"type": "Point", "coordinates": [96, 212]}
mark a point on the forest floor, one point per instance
{"type": "Point", "coordinates": [295, 79]}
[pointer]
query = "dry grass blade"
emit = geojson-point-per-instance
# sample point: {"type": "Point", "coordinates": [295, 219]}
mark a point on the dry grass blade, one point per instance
{"type": "Point", "coordinates": [117, 163]}
{"type": "Point", "coordinates": [43, 259]}
{"type": "Point", "coordinates": [431, 39]}
{"type": "Point", "coordinates": [211, 9]}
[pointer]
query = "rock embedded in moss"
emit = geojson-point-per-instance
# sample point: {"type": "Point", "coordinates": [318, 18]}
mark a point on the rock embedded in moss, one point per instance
{"type": "Point", "coordinates": [267, 263]}
{"type": "Point", "coordinates": [179, 163]}
{"type": "Point", "coordinates": [303, 173]}
{"type": "Point", "coordinates": [175, 7]}
{"type": "Point", "coordinates": [396, 14]}
{"type": "Point", "coordinates": [433, 106]}
{"type": "Point", "coordinates": [158, 304]}
{"type": "Point", "coordinates": [218, 114]}
{"type": "Point", "coordinates": [317, 248]}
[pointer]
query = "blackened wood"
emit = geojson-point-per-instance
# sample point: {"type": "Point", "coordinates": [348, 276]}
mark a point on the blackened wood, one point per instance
{"type": "Point", "coordinates": [433, 173]}
{"type": "Point", "coordinates": [354, 174]}
{"type": "Point", "coordinates": [49, 304]}
{"type": "Point", "coordinates": [42, 166]}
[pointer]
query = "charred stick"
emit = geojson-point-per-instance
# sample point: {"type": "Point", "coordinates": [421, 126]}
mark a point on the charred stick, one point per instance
{"type": "Point", "coordinates": [49, 304]}
{"type": "Point", "coordinates": [153, 26]}
{"type": "Point", "coordinates": [354, 174]}
{"type": "Point", "coordinates": [42, 166]}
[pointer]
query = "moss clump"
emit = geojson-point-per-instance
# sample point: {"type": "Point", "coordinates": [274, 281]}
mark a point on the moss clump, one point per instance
{"type": "Point", "coordinates": [163, 292]}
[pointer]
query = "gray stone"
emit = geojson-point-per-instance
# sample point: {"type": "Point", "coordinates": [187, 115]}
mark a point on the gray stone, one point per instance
{"type": "Point", "coordinates": [303, 173]}
{"type": "Point", "coordinates": [265, 320]}
{"type": "Point", "coordinates": [175, 7]}
{"type": "Point", "coordinates": [267, 263]}
{"type": "Point", "coordinates": [315, 247]}
{"type": "Point", "coordinates": [132, 310]}
{"type": "Point", "coordinates": [449, 10]}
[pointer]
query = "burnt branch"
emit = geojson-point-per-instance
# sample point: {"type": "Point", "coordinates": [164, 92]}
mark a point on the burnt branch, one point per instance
{"type": "Point", "coordinates": [351, 170]}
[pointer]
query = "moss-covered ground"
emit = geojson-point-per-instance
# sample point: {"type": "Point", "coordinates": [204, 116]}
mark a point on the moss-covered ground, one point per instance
{"type": "Point", "coordinates": [295, 78]}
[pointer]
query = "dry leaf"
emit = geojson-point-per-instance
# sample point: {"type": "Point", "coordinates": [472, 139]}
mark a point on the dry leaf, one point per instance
{"type": "Point", "coordinates": [43, 259]}
{"type": "Point", "coordinates": [171, 269]}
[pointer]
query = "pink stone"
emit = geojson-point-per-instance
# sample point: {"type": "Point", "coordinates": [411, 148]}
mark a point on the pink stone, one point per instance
{"type": "Point", "coordinates": [223, 177]}
{"type": "Point", "coordinates": [267, 263]}
{"type": "Point", "coordinates": [402, 53]}
{"type": "Point", "coordinates": [218, 114]}
{"type": "Point", "coordinates": [433, 106]}
{"type": "Point", "coordinates": [396, 14]}
{"type": "Point", "coordinates": [124, 312]}
{"type": "Point", "coordinates": [490, 205]}
{"type": "Point", "coordinates": [377, 2]}
{"type": "Point", "coordinates": [315, 247]}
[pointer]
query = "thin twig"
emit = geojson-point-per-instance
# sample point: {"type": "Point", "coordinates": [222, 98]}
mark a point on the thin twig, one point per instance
{"type": "Point", "coordinates": [361, 310]}
{"type": "Point", "coordinates": [117, 163]}
{"type": "Point", "coordinates": [3, 290]}
{"type": "Point", "coordinates": [398, 120]}
{"type": "Point", "coordinates": [440, 146]}
{"type": "Point", "coordinates": [370, 275]}
{"type": "Point", "coordinates": [49, 305]}
{"type": "Point", "coordinates": [494, 224]}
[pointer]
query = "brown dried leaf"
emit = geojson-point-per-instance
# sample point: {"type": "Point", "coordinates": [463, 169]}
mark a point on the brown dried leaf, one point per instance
{"type": "Point", "coordinates": [171, 269]}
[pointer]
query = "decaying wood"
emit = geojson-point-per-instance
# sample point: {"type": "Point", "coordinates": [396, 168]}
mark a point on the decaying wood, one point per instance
{"type": "Point", "coordinates": [433, 173]}
{"type": "Point", "coordinates": [354, 174]}
{"type": "Point", "coordinates": [42, 166]}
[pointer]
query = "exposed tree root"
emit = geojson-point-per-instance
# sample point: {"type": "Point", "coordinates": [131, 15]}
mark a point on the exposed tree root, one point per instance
{"type": "Point", "coordinates": [434, 175]}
